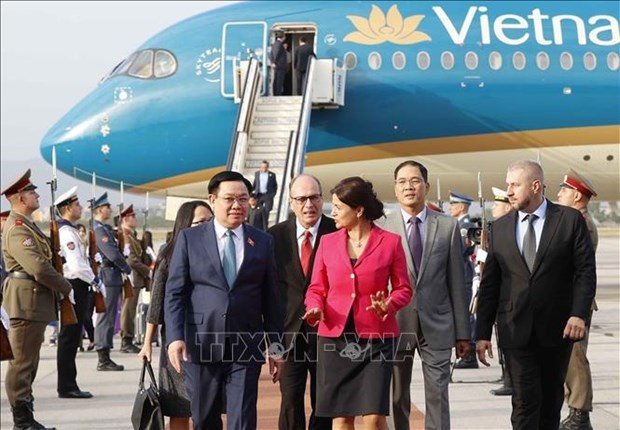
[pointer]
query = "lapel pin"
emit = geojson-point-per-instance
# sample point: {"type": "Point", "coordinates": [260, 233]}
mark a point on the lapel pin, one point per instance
{"type": "Point", "coordinates": [250, 241]}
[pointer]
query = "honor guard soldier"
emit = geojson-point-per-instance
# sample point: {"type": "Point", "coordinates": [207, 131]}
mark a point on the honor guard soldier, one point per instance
{"type": "Point", "coordinates": [501, 205]}
{"type": "Point", "coordinates": [29, 297]}
{"type": "Point", "coordinates": [77, 271]}
{"type": "Point", "coordinates": [576, 191]}
{"type": "Point", "coordinates": [459, 208]}
{"type": "Point", "coordinates": [140, 279]}
{"type": "Point", "coordinates": [3, 217]}
{"type": "Point", "coordinates": [113, 265]}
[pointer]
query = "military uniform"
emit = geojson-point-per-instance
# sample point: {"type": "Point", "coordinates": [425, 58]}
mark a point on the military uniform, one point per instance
{"type": "Point", "coordinates": [77, 270]}
{"type": "Point", "coordinates": [578, 384]}
{"type": "Point", "coordinates": [140, 279]}
{"type": "Point", "coordinates": [113, 265]}
{"type": "Point", "coordinates": [470, 362]}
{"type": "Point", "coordinates": [30, 301]}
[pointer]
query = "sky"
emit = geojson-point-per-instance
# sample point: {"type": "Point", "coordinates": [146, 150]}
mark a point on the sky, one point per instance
{"type": "Point", "coordinates": [54, 54]}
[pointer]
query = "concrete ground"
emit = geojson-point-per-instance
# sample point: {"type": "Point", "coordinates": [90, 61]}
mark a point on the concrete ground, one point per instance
{"type": "Point", "coordinates": [472, 407]}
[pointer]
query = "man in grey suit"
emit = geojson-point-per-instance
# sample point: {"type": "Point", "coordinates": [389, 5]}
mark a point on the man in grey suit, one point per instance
{"type": "Point", "coordinates": [437, 318]}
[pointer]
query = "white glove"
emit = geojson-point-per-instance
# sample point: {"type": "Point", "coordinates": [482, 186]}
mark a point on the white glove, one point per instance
{"type": "Point", "coordinates": [127, 250]}
{"type": "Point", "coordinates": [101, 288]}
{"type": "Point", "coordinates": [72, 296]}
{"type": "Point", "coordinates": [98, 258]}
{"type": "Point", "coordinates": [4, 317]}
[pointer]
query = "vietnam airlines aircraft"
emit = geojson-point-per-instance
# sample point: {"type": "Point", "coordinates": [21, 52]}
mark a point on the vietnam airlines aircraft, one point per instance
{"type": "Point", "coordinates": [464, 87]}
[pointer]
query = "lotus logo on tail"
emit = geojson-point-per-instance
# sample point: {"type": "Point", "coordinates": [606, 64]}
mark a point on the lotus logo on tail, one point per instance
{"type": "Point", "coordinates": [380, 28]}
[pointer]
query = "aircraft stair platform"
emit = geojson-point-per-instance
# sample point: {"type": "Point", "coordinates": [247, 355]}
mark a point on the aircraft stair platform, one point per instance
{"type": "Point", "coordinates": [271, 128]}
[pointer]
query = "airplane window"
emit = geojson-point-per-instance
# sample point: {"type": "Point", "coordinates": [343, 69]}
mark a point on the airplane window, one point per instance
{"type": "Point", "coordinates": [447, 60]}
{"type": "Point", "coordinates": [589, 61]}
{"type": "Point", "coordinates": [518, 60]}
{"type": "Point", "coordinates": [495, 60]}
{"type": "Point", "coordinates": [374, 60]}
{"type": "Point", "coordinates": [142, 67]}
{"type": "Point", "coordinates": [424, 60]}
{"type": "Point", "coordinates": [350, 61]}
{"type": "Point", "coordinates": [399, 61]}
{"type": "Point", "coordinates": [471, 60]}
{"type": "Point", "coordinates": [542, 60]}
{"type": "Point", "coordinates": [613, 61]}
{"type": "Point", "coordinates": [566, 60]}
{"type": "Point", "coordinates": [165, 64]}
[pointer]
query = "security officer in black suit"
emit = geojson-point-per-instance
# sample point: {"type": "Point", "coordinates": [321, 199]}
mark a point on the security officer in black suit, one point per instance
{"type": "Point", "coordinates": [113, 265]}
{"type": "Point", "coordinates": [265, 186]}
{"type": "Point", "coordinates": [302, 56]}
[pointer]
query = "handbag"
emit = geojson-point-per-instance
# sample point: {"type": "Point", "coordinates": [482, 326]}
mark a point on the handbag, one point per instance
{"type": "Point", "coordinates": [146, 413]}
{"type": "Point", "coordinates": [6, 353]}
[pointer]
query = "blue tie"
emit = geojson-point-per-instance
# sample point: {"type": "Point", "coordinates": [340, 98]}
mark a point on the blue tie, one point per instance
{"type": "Point", "coordinates": [229, 262]}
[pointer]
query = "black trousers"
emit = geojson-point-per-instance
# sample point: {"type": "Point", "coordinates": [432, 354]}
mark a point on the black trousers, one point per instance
{"type": "Point", "coordinates": [300, 361]}
{"type": "Point", "coordinates": [538, 374]}
{"type": "Point", "coordinates": [278, 81]}
{"type": "Point", "coordinates": [69, 339]}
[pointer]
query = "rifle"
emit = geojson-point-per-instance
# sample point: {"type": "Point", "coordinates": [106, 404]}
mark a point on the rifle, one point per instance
{"type": "Point", "coordinates": [92, 252]}
{"type": "Point", "coordinates": [67, 312]}
{"type": "Point", "coordinates": [120, 238]}
{"type": "Point", "coordinates": [439, 202]}
{"type": "Point", "coordinates": [482, 250]}
{"type": "Point", "coordinates": [146, 214]}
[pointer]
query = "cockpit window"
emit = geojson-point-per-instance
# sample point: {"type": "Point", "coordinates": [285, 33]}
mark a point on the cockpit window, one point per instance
{"type": "Point", "coordinates": [165, 64]}
{"type": "Point", "coordinates": [147, 64]}
{"type": "Point", "coordinates": [142, 67]}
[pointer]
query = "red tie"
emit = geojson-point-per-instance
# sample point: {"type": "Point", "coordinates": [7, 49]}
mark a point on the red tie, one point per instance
{"type": "Point", "coordinates": [306, 252]}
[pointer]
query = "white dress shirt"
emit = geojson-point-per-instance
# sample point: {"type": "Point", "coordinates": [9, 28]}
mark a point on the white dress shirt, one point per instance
{"type": "Point", "coordinates": [314, 230]}
{"type": "Point", "coordinates": [422, 226]}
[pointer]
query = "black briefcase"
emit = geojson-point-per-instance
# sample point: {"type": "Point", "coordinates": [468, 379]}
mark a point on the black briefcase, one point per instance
{"type": "Point", "coordinates": [146, 413]}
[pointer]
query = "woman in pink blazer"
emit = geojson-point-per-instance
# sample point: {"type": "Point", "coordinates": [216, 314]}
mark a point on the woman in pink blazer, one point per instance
{"type": "Point", "coordinates": [349, 299]}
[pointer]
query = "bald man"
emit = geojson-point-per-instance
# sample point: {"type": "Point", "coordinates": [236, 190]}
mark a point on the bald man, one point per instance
{"type": "Point", "coordinates": [539, 281]}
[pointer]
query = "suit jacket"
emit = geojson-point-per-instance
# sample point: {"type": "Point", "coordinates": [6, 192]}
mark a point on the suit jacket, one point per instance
{"type": "Point", "coordinates": [293, 283]}
{"type": "Point", "coordinates": [277, 55]}
{"type": "Point", "coordinates": [258, 217]}
{"type": "Point", "coordinates": [562, 282]}
{"type": "Point", "coordinates": [337, 287]}
{"type": "Point", "coordinates": [439, 302]}
{"type": "Point", "coordinates": [272, 183]}
{"type": "Point", "coordinates": [26, 249]}
{"type": "Point", "coordinates": [200, 308]}
{"type": "Point", "coordinates": [113, 264]}
{"type": "Point", "coordinates": [302, 55]}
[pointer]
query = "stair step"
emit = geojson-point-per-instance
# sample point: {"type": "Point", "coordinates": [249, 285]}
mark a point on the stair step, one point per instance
{"type": "Point", "coordinates": [260, 151]}
{"type": "Point", "coordinates": [272, 156]}
{"type": "Point", "coordinates": [269, 141]}
{"type": "Point", "coordinates": [270, 134]}
{"type": "Point", "coordinates": [292, 121]}
{"type": "Point", "coordinates": [273, 164]}
{"type": "Point", "coordinates": [278, 108]}
{"type": "Point", "coordinates": [279, 100]}
{"type": "Point", "coordinates": [278, 113]}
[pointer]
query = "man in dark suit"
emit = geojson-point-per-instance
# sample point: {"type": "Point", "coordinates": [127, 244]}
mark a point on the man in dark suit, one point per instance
{"type": "Point", "coordinates": [300, 64]}
{"type": "Point", "coordinates": [436, 320]}
{"type": "Point", "coordinates": [539, 282]}
{"type": "Point", "coordinates": [221, 302]}
{"type": "Point", "coordinates": [277, 58]}
{"type": "Point", "coordinates": [296, 241]}
{"type": "Point", "coordinates": [265, 186]}
{"type": "Point", "coordinates": [257, 215]}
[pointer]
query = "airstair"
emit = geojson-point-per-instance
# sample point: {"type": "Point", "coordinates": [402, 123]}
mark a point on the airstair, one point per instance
{"type": "Point", "coordinates": [273, 128]}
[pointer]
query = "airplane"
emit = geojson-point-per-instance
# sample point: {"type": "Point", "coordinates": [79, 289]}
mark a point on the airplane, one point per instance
{"type": "Point", "coordinates": [463, 87]}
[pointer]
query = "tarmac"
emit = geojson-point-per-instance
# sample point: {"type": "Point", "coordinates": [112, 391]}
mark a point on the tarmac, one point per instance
{"type": "Point", "coordinates": [472, 406]}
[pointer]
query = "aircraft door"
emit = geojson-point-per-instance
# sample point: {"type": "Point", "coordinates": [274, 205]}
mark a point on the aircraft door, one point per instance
{"type": "Point", "coordinates": [241, 41]}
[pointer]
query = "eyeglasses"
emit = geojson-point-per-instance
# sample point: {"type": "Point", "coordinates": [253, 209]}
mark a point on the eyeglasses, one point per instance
{"type": "Point", "coordinates": [229, 201]}
{"type": "Point", "coordinates": [414, 182]}
{"type": "Point", "coordinates": [301, 200]}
